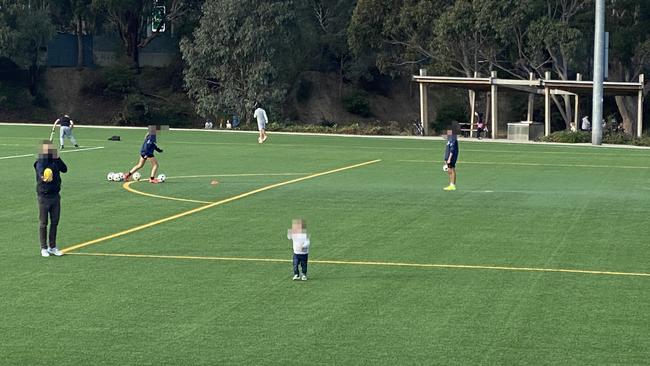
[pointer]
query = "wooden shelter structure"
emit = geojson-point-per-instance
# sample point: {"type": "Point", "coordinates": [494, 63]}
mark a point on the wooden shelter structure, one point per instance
{"type": "Point", "coordinates": [545, 86]}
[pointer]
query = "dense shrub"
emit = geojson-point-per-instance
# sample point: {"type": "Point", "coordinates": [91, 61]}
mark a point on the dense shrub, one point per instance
{"type": "Point", "coordinates": [357, 103]}
{"type": "Point", "coordinates": [447, 114]}
{"type": "Point", "coordinates": [614, 138]}
{"type": "Point", "coordinates": [391, 128]}
{"type": "Point", "coordinates": [304, 90]}
{"type": "Point", "coordinates": [568, 137]}
{"type": "Point", "coordinates": [14, 97]}
{"type": "Point", "coordinates": [119, 79]}
{"type": "Point", "coordinates": [140, 110]}
{"type": "Point", "coordinates": [617, 138]}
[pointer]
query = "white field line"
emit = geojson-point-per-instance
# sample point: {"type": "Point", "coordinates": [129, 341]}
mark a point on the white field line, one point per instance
{"type": "Point", "coordinates": [532, 164]}
{"type": "Point", "coordinates": [422, 138]}
{"type": "Point", "coordinates": [60, 152]}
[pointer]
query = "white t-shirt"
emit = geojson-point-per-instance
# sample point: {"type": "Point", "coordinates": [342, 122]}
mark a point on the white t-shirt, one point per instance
{"type": "Point", "coordinates": [260, 114]}
{"type": "Point", "coordinates": [300, 242]}
{"type": "Point", "coordinates": [585, 123]}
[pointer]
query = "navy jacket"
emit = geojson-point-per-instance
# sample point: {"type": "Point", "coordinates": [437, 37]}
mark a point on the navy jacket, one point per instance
{"type": "Point", "coordinates": [451, 148]}
{"type": "Point", "coordinates": [49, 188]}
{"type": "Point", "coordinates": [149, 146]}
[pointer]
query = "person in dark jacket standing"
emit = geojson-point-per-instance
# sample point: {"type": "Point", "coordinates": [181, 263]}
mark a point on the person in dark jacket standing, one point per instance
{"type": "Point", "coordinates": [49, 167]}
{"type": "Point", "coordinates": [451, 156]}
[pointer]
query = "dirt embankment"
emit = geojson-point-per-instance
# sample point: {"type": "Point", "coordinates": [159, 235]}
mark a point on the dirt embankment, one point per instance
{"type": "Point", "coordinates": [63, 87]}
{"type": "Point", "coordinates": [64, 91]}
{"type": "Point", "coordinates": [324, 105]}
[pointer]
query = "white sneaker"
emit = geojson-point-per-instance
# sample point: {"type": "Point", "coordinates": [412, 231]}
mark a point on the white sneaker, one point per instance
{"type": "Point", "coordinates": [304, 278]}
{"type": "Point", "coordinates": [55, 252]}
{"type": "Point", "coordinates": [296, 277]}
{"type": "Point", "coordinates": [264, 138]}
{"type": "Point", "coordinates": [259, 140]}
{"type": "Point", "coordinates": [44, 253]}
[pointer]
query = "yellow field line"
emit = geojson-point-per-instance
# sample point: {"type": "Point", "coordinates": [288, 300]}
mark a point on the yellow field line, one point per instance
{"type": "Point", "coordinates": [236, 175]}
{"type": "Point", "coordinates": [365, 263]}
{"type": "Point", "coordinates": [533, 164]}
{"type": "Point", "coordinates": [213, 204]}
{"type": "Point", "coordinates": [127, 186]}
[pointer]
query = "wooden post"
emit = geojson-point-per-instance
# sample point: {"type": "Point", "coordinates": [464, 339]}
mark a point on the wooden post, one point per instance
{"type": "Point", "coordinates": [547, 105]}
{"type": "Point", "coordinates": [472, 102]}
{"type": "Point", "coordinates": [531, 102]}
{"type": "Point", "coordinates": [494, 104]}
{"type": "Point", "coordinates": [424, 104]}
{"type": "Point", "coordinates": [576, 112]}
{"type": "Point", "coordinates": [639, 111]}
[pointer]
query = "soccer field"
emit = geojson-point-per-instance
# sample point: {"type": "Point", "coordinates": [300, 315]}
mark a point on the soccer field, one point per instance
{"type": "Point", "coordinates": [540, 257]}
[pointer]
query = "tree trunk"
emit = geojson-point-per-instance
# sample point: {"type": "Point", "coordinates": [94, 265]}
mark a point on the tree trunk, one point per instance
{"type": "Point", "coordinates": [33, 74]}
{"type": "Point", "coordinates": [80, 44]}
{"type": "Point", "coordinates": [133, 40]}
{"type": "Point", "coordinates": [627, 108]}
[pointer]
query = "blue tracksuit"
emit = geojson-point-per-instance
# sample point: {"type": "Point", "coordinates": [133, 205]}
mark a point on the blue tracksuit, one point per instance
{"type": "Point", "coordinates": [149, 146]}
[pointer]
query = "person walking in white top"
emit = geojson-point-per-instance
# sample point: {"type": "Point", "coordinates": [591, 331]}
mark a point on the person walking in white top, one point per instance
{"type": "Point", "coordinates": [262, 120]}
{"type": "Point", "coordinates": [298, 234]}
{"type": "Point", "coordinates": [586, 125]}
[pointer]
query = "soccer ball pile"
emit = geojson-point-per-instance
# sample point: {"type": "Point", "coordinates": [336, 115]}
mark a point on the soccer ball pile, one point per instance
{"type": "Point", "coordinates": [119, 177]}
{"type": "Point", "coordinates": [115, 177]}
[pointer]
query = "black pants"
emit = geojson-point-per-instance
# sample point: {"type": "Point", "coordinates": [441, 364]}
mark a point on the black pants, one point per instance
{"type": "Point", "coordinates": [300, 259]}
{"type": "Point", "coordinates": [48, 206]}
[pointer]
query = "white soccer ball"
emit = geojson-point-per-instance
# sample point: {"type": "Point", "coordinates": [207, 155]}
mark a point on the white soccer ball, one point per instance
{"type": "Point", "coordinates": [118, 177]}
{"type": "Point", "coordinates": [445, 168]}
{"type": "Point", "coordinates": [110, 176]}
{"type": "Point", "coordinates": [162, 177]}
{"type": "Point", "coordinates": [136, 176]}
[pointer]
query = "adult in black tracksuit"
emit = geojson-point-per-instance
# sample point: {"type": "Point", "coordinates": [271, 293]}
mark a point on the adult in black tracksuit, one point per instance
{"type": "Point", "coordinates": [49, 167]}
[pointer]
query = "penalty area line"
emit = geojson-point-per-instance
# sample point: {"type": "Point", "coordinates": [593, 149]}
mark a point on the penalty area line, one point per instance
{"type": "Point", "coordinates": [213, 204]}
{"type": "Point", "coordinates": [366, 263]}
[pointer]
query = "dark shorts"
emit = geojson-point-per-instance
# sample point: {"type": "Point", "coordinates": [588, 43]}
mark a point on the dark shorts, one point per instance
{"type": "Point", "coordinates": [146, 156]}
{"type": "Point", "coordinates": [452, 164]}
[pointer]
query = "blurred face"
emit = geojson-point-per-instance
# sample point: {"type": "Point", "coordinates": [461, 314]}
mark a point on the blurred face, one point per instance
{"type": "Point", "coordinates": [297, 226]}
{"type": "Point", "coordinates": [152, 129]}
{"type": "Point", "coordinates": [450, 133]}
{"type": "Point", "coordinates": [48, 150]}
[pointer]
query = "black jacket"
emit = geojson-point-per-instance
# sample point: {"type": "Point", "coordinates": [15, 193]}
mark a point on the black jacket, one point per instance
{"type": "Point", "coordinates": [49, 188]}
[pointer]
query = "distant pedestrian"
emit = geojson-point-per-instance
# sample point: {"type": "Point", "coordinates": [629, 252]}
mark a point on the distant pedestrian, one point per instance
{"type": "Point", "coordinates": [262, 120]}
{"type": "Point", "coordinates": [480, 125]}
{"type": "Point", "coordinates": [298, 234]}
{"type": "Point", "coordinates": [451, 156]}
{"type": "Point", "coordinates": [65, 130]}
{"type": "Point", "coordinates": [49, 167]}
{"type": "Point", "coordinates": [586, 125]}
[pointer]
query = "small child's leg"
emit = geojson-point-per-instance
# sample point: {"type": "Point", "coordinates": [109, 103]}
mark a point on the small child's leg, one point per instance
{"type": "Point", "coordinates": [303, 264]}
{"type": "Point", "coordinates": [296, 259]}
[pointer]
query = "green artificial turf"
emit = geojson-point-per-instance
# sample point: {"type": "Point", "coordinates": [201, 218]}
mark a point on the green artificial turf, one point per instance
{"type": "Point", "coordinates": [517, 206]}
